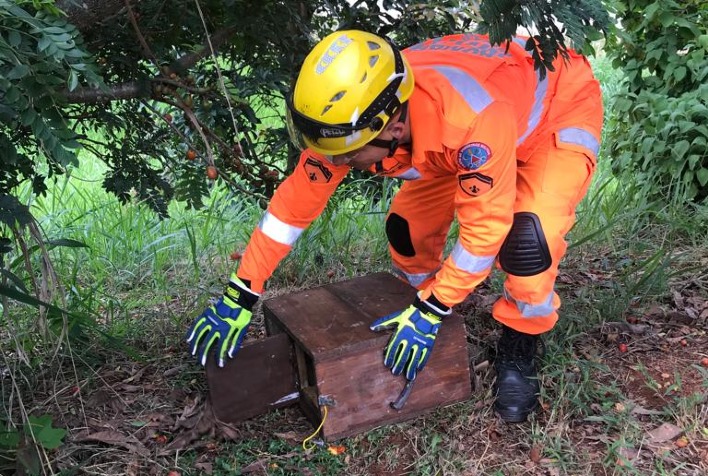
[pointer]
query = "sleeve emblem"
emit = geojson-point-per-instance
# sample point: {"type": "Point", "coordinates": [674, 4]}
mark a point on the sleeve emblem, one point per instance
{"type": "Point", "coordinates": [316, 171]}
{"type": "Point", "coordinates": [475, 184]}
{"type": "Point", "coordinates": [473, 155]}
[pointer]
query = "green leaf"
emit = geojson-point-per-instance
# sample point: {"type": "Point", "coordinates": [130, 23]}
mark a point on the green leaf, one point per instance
{"type": "Point", "coordinates": [19, 71]}
{"type": "Point", "coordinates": [14, 38]}
{"type": "Point", "coordinates": [702, 176]}
{"type": "Point", "coordinates": [14, 278]}
{"type": "Point", "coordinates": [68, 243]}
{"type": "Point", "coordinates": [13, 212]}
{"type": "Point", "coordinates": [680, 149]}
{"type": "Point", "coordinates": [45, 435]}
{"type": "Point", "coordinates": [73, 80]}
{"type": "Point", "coordinates": [10, 439]}
{"type": "Point", "coordinates": [44, 43]}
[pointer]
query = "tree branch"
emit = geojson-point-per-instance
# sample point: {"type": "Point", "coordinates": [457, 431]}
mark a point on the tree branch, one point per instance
{"type": "Point", "coordinates": [142, 89]}
{"type": "Point", "coordinates": [130, 90]}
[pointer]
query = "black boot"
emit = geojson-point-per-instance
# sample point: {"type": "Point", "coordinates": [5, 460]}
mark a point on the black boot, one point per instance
{"type": "Point", "coordinates": [517, 386]}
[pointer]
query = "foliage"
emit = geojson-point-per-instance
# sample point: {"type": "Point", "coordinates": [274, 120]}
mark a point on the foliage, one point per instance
{"type": "Point", "coordinates": [204, 76]}
{"type": "Point", "coordinates": [548, 24]}
{"type": "Point", "coordinates": [19, 448]}
{"type": "Point", "coordinates": [40, 54]}
{"type": "Point", "coordinates": [659, 134]}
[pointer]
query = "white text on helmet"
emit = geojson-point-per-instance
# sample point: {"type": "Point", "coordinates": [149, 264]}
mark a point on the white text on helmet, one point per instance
{"type": "Point", "coordinates": [332, 52]}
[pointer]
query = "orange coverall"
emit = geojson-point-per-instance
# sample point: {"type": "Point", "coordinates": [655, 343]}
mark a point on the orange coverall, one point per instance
{"type": "Point", "coordinates": [490, 139]}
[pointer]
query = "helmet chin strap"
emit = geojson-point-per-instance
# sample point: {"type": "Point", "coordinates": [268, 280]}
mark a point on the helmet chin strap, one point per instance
{"type": "Point", "coordinates": [392, 144]}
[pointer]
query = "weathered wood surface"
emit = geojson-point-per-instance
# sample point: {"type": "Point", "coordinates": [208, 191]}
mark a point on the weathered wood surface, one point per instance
{"type": "Point", "coordinates": [330, 328]}
{"type": "Point", "coordinates": [260, 378]}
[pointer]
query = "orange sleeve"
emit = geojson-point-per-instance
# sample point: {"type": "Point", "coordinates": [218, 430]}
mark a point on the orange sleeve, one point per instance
{"type": "Point", "coordinates": [484, 202]}
{"type": "Point", "coordinates": [296, 203]}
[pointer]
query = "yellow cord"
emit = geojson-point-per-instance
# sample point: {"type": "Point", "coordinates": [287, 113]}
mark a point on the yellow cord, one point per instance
{"type": "Point", "coordinates": [304, 442]}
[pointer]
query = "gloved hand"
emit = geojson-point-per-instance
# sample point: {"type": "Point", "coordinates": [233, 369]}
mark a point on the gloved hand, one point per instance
{"type": "Point", "coordinates": [224, 323]}
{"type": "Point", "coordinates": [416, 327]}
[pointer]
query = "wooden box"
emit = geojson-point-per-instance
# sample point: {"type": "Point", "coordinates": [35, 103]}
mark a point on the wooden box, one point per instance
{"type": "Point", "coordinates": [340, 360]}
{"type": "Point", "coordinates": [260, 378]}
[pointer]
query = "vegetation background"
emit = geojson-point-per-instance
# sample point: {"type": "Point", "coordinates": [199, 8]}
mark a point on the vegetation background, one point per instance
{"type": "Point", "coordinates": [139, 142]}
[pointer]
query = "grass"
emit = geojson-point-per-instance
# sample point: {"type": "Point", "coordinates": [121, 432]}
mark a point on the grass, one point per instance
{"type": "Point", "coordinates": [141, 280]}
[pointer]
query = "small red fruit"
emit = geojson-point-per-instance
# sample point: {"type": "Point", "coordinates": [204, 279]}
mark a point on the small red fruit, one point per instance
{"type": "Point", "coordinates": [683, 343]}
{"type": "Point", "coordinates": [236, 255]}
{"type": "Point", "coordinates": [168, 117]}
{"type": "Point", "coordinates": [191, 154]}
{"type": "Point", "coordinates": [211, 172]}
{"type": "Point", "coordinates": [704, 361]}
{"type": "Point", "coordinates": [622, 347]}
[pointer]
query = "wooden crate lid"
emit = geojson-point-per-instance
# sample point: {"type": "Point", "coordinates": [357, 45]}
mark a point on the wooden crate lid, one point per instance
{"type": "Point", "coordinates": [334, 319]}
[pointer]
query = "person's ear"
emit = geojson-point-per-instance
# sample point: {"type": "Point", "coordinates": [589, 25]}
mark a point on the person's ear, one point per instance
{"type": "Point", "coordinates": [396, 129]}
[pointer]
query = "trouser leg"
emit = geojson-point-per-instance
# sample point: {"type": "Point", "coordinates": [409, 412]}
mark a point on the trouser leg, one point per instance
{"type": "Point", "coordinates": [549, 187]}
{"type": "Point", "coordinates": [417, 227]}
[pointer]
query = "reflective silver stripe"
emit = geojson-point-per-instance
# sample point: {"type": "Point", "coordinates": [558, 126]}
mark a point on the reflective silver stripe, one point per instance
{"type": "Point", "coordinates": [410, 174]}
{"type": "Point", "coordinates": [472, 92]}
{"type": "Point", "coordinates": [279, 231]}
{"type": "Point", "coordinates": [537, 108]}
{"type": "Point", "coordinates": [539, 96]}
{"type": "Point", "coordinates": [466, 261]}
{"type": "Point", "coordinates": [578, 136]}
{"type": "Point", "coordinates": [414, 280]}
{"type": "Point", "coordinates": [533, 310]}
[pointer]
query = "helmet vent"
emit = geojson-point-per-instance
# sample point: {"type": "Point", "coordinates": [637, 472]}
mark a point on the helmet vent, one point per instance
{"type": "Point", "coordinates": [326, 108]}
{"type": "Point", "coordinates": [373, 46]}
{"type": "Point", "coordinates": [337, 96]}
{"type": "Point", "coordinates": [363, 78]}
{"type": "Point", "coordinates": [373, 60]}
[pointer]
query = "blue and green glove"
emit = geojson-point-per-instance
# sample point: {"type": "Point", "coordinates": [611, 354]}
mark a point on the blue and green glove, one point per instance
{"type": "Point", "coordinates": [416, 327]}
{"type": "Point", "coordinates": [224, 323]}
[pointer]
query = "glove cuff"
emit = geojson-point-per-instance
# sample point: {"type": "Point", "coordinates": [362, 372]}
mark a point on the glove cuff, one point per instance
{"type": "Point", "coordinates": [239, 292]}
{"type": "Point", "coordinates": [432, 306]}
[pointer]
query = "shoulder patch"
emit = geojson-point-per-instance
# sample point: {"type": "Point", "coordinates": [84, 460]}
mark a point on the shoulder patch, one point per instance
{"type": "Point", "coordinates": [475, 184]}
{"type": "Point", "coordinates": [316, 171]}
{"type": "Point", "coordinates": [474, 155]}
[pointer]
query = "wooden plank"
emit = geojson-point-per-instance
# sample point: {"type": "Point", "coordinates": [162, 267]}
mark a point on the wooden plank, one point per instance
{"type": "Point", "coordinates": [362, 387]}
{"type": "Point", "coordinates": [321, 320]}
{"type": "Point", "coordinates": [260, 378]}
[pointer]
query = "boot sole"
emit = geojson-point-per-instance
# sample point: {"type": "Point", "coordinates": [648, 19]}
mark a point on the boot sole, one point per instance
{"type": "Point", "coordinates": [515, 417]}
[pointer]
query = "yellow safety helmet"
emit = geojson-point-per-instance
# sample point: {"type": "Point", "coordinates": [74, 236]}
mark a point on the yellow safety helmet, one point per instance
{"type": "Point", "coordinates": [348, 88]}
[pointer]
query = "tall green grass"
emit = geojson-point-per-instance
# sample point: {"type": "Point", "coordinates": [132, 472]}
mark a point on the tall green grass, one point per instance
{"type": "Point", "coordinates": [133, 260]}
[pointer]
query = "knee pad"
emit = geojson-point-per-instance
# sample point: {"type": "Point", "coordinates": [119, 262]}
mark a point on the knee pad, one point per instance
{"type": "Point", "coordinates": [525, 250]}
{"type": "Point", "coordinates": [399, 235]}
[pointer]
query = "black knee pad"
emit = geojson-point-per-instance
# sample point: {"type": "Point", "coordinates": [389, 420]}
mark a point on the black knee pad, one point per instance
{"type": "Point", "coordinates": [525, 250]}
{"type": "Point", "coordinates": [399, 235]}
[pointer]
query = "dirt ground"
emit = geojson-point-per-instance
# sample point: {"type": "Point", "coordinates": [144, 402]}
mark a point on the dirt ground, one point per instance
{"type": "Point", "coordinates": [624, 397]}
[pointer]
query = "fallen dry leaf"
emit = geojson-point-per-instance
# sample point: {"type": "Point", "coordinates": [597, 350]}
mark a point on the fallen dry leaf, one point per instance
{"type": "Point", "coordinates": [663, 433]}
{"type": "Point", "coordinates": [628, 453]}
{"type": "Point", "coordinates": [260, 465]}
{"type": "Point", "coordinates": [291, 437]}
{"type": "Point", "coordinates": [535, 454]}
{"type": "Point", "coordinates": [115, 438]}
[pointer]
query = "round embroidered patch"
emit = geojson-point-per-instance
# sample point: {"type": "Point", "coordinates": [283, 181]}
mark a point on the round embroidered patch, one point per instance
{"type": "Point", "coordinates": [473, 155]}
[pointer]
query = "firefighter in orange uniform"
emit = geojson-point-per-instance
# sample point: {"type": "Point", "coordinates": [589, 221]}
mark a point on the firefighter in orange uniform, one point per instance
{"type": "Point", "coordinates": [477, 134]}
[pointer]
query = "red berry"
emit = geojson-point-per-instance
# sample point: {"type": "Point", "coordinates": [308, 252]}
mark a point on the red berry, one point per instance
{"type": "Point", "coordinates": [622, 347]}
